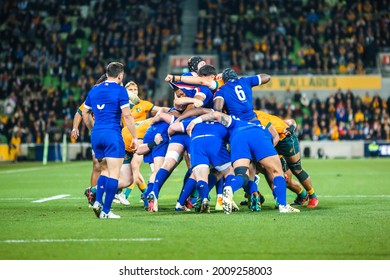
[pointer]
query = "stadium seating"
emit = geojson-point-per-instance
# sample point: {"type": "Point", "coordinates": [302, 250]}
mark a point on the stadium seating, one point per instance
{"type": "Point", "coordinates": [49, 47]}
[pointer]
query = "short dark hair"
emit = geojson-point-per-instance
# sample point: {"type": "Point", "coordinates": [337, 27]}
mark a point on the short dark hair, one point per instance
{"type": "Point", "coordinates": [207, 70]}
{"type": "Point", "coordinates": [229, 74]}
{"type": "Point", "coordinates": [114, 69]}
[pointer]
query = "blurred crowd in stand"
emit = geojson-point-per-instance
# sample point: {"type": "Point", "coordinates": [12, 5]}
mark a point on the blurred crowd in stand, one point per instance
{"type": "Point", "coordinates": [294, 36]}
{"type": "Point", "coordinates": [342, 115]}
{"type": "Point", "coordinates": [52, 52]}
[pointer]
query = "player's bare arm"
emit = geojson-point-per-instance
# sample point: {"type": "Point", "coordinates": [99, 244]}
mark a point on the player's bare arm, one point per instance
{"type": "Point", "coordinates": [168, 118]}
{"type": "Point", "coordinates": [193, 112]}
{"type": "Point", "coordinates": [87, 118]}
{"type": "Point", "coordinates": [188, 100]}
{"type": "Point", "coordinates": [157, 110]}
{"type": "Point", "coordinates": [288, 131]}
{"type": "Point", "coordinates": [264, 78]}
{"type": "Point", "coordinates": [275, 134]}
{"type": "Point", "coordinates": [213, 116]}
{"type": "Point", "coordinates": [174, 128]}
{"type": "Point", "coordinates": [76, 123]}
{"type": "Point", "coordinates": [147, 147]}
{"type": "Point", "coordinates": [192, 80]}
{"type": "Point", "coordinates": [129, 121]}
{"type": "Point", "coordinates": [218, 104]}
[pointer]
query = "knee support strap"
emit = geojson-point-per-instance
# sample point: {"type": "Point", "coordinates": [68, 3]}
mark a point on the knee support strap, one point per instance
{"type": "Point", "coordinates": [296, 166]}
{"type": "Point", "coordinates": [302, 176]}
{"type": "Point", "coordinates": [241, 171]}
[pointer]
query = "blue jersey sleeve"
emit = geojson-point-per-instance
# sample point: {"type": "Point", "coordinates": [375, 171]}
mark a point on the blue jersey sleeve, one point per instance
{"type": "Point", "coordinates": [206, 93]}
{"type": "Point", "coordinates": [252, 80]}
{"type": "Point", "coordinates": [186, 122]}
{"type": "Point", "coordinates": [87, 103]}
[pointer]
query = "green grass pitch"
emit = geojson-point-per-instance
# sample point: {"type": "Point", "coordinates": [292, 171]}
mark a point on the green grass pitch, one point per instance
{"type": "Point", "coordinates": [350, 223]}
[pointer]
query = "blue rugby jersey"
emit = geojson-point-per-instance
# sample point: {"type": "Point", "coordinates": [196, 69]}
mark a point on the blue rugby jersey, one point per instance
{"type": "Point", "coordinates": [237, 95]}
{"type": "Point", "coordinates": [106, 101]}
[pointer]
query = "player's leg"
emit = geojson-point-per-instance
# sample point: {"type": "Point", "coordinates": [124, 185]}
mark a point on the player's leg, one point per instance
{"type": "Point", "coordinates": [100, 187]}
{"type": "Point", "coordinates": [274, 168]}
{"type": "Point", "coordinates": [295, 166]}
{"type": "Point", "coordinates": [189, 185]}
{"type": "Point", "coordinates": [138, 178]}
{"type": "Point", "coordinates": [90, 192]}
{"type": "Point", "coordinates": [201, 173]}
{"type": "Point", "coordinates": [125, 179]}
{"type": "Point", "coordinates": [152, 199]}
{"type": "Point", "coordinates": [293, 160]}
{"type": "Point", "coordinates": [234, 183]}
{"type": "Point", "coordinates": [172, 157]}
{"type": "Point", "coordinates": [113, 170]}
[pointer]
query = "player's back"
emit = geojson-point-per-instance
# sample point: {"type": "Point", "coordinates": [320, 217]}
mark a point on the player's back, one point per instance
{"type": "Point", "coordinates": [210, 128]}
{"type": "Point", "coordinates": [156, 128]}
{"type": "Point", "coordinates": [141, 110]}
{"type": "Point", "coordinates": [237, 95]}
{"type": "Point", "coordinates": [237, 125]}
{"type": "Point", "coordinates": [277, 122]}
{"type": "Point", "coordinates": [105, 100]}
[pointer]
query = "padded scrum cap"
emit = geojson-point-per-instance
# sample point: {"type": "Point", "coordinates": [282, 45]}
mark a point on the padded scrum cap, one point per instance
{"type": "Point", "coordinates": [228, 74]}
{"type": "Point", "coordinates": [193, 63]}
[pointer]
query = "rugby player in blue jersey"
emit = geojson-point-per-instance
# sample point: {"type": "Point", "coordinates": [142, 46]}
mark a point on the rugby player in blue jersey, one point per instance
{"type": "Point", "coordinates": [208, 149]}
{"type": "Point", "coordinates": [176, 147]}
{"type": "Point", "coordinates": [236, 94]}
{"type": "Point", "coordinates": [249, 142]}
{"type": "Point", "coordinates": [171, 150]}
{"type": "Point", "coordinates": [235, 98]}
{"type": "Point", "coordinates": [109, 101]}
{"type": "Point", "coordinates": [207, 75]}
{"type": "Point", "coordinates": [202, 93]}
{"type": "Point", "coordinates": [154, 156]}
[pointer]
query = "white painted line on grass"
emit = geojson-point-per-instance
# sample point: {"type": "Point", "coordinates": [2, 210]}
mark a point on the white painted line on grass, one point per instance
{"type": "Point", "coordinates": [21, 170]}
{"type": "Point", "coordinates": [51, 198]}
{"type": "Point", "coordinates": [80, 240]}
{"type": "Point", "coordinates": [15, 198]}
{"type": "Point", "coordinates": [356, 196]}
{"type": "Point", "coordinates": [38, 168]}
{"type": "Point", "coordinates": [30, 198]}
{"type": "Point", "coordinates": [320, 196]}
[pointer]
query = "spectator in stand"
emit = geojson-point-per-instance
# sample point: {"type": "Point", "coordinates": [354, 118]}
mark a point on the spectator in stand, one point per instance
{"type": "Point", "coordinates": [57, 52]}
{"type": "Point", "coordinates": [327, 42]}
{"type": "Point", "coordinates": [367, 98]}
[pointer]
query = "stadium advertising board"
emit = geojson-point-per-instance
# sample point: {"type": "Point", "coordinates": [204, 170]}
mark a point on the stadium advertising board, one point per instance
{"type": "Point", "coordinates": [385, 62]}
{"type": "Point", "coordinates": [385, 59]}
{"type": "Point", "coordinates": [383, 150]}
{"type": "Point", "coordinates": [359, 82]}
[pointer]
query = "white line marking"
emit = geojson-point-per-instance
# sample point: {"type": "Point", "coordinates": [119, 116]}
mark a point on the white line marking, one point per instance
{"type": "Point", "coordinates": [80, 240]}
{"type": "Point", "coordinates": [22, 170]}
{"type": "Point", "coordinates": [30, 198]}
{"type": "Point", "coordinates": [356, 196]}
{"type": "Point", "coordinates": [16, 198]}
{"type": "Point", "coordinates": [51, 198]}
{"type": "Point", "coordinates": [36, 168]}
{"type": "Point", "coordinates": [320, 196]}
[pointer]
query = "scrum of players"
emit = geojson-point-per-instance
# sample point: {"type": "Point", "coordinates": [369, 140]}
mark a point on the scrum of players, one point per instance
{"type": "Point", "coordinates": [223, 140]}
